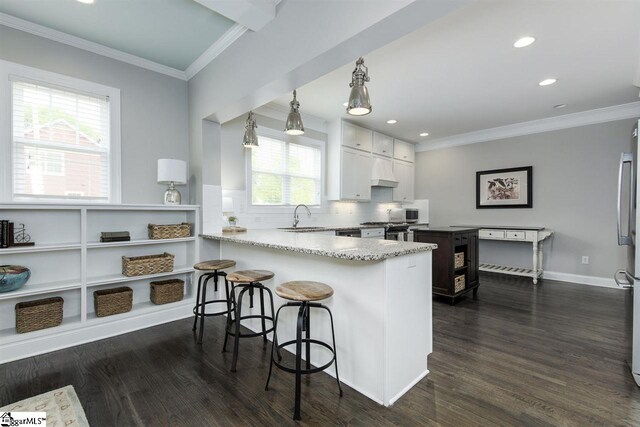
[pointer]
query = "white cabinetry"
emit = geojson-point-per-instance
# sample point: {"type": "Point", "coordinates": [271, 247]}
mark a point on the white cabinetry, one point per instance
{"type": "Point", "coordinates": [403, 151]}
{"type": "Point", "coordinates": [405, 174]}
{"type": "Point", "coordinates": [382, 144]}
{"type": "Point", "coordinates": [349, 162]}
{"type": "Point", "coordinates": [68, 260]}
{"type": "Point", "coordinates": [351, 153]}
{"type": "Point", "coordinates": [356, 175]}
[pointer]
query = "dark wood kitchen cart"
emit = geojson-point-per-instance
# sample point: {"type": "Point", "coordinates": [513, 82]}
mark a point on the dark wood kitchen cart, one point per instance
{"type": "Point", "coordinates": [448, 277]}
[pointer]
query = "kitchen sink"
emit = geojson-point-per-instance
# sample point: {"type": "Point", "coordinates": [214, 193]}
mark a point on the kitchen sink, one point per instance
{"type": "Point", "coordinates": [300, 229]}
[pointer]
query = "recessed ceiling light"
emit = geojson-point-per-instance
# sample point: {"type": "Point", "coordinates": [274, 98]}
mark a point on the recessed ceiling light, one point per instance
{"type": "Point", "coordinates": [392, 121]}
{"type": "Point", "coordinates": [346, 104]}
{"type": "Point", "coordinates": [86, 1]}
{"type": "Point", "coordinates": [547, 82]}
{"type": "Point", "coordinates": [524, 41]}
{"type": "Point", "coordinates": [424, 134]}
{"type": "Point", "coordinates": [560, 106]}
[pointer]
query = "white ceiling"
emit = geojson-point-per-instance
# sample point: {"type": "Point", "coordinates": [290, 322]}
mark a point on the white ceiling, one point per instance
{"type": "Point", "coordinates": [173, 33]}
{"type": "Point", "coordinates": [462, 73]}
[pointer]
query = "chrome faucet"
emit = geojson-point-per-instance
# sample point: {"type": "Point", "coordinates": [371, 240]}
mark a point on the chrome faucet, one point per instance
{"type": "Point", "coordinates": [296, 220]}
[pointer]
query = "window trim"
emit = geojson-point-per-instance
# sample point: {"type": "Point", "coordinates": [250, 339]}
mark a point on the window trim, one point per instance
{"type": "Point", "coordinates": [302, 140]}
{"type": "Point", "coordinates": [11, 70]}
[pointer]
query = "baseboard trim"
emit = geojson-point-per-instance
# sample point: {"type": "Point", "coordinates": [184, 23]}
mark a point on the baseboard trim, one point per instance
{"type": "Point", "coordinates": [408, 387]}
{"type": "Point", "coordinates": [581, 279]}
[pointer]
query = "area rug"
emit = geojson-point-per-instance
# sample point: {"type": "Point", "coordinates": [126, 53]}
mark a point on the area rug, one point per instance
{"type": "Point", "coordinates": [62, 406]}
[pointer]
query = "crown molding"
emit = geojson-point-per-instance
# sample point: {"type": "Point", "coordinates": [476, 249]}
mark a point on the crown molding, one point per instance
{"type": "Point", "coordinates": [280, 112]}
{"type": "Point", "coordinates": [230, 36]}
{"type": "Point", "coordinates": [584, 118]}
{"type": "Point", "coordinates": [80, 43]}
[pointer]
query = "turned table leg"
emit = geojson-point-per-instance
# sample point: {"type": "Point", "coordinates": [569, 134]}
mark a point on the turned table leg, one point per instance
{"type": "Point", "coordinates": [535, 262]}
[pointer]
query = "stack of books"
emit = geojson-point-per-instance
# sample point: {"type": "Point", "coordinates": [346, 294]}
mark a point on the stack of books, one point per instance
{"type": "Point", "coordinates": [115, 236]}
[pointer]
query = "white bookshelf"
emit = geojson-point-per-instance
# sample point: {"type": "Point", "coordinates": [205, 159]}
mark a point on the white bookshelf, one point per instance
{"type": "Point", "coordinates": [69, 261]}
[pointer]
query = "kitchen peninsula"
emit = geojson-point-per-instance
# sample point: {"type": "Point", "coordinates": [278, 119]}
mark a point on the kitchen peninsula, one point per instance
{"type": "Point", "coordinates": [381, 305]}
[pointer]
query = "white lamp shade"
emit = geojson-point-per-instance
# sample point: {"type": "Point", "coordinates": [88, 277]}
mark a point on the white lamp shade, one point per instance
{"type": "Point", "coordinates": [227, 204]}
{"type": "Point", "coordinates": [172, 170]}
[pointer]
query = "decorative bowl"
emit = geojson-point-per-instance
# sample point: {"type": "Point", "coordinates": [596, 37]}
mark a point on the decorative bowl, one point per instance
{"type": "Point", "coordinates": [13, 277]}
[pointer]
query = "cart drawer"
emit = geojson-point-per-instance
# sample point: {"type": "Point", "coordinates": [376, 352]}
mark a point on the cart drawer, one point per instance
{"type": "Point", "coordinates": [516, 235]}
{"type": "Point", "coordinates": [491, 234]}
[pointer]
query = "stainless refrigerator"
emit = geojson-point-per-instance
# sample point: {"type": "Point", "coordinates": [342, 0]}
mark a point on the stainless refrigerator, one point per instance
{"type": "Point", "coordinates": [629, 278]}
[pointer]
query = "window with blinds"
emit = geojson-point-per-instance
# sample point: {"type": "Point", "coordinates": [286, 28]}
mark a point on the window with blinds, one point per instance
{"type": "Point", "coordinates": [61, 143]}
{"type": "Point", "coordinates": [285, 173]}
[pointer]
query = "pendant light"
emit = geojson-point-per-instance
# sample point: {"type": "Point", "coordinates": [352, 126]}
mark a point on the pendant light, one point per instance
{"type": "Point", "coordinates": [359, 102]}
{"type": "Point", "coordinates": [250, 139]}
{"type": "Point", "coordinates": [294, 124]}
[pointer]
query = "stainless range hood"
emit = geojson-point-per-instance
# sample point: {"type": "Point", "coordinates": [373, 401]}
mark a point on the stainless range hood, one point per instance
{"type": "Point", "coordinates": [382, 173]}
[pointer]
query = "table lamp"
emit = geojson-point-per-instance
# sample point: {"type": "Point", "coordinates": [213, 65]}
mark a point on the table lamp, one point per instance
{"type": "Point", "coordinates": [172, 172]}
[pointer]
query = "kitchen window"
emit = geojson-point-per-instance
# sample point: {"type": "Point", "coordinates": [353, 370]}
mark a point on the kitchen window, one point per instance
{"type": "Point", "coordinates": [285, 172]}
{"type": "Point", "coordinates": [65, 143]}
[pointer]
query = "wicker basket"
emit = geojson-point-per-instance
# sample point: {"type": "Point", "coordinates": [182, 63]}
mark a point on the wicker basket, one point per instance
{"type": "Point", "coordinates": [150, 264]}
{"type": "Point", "coordinates": [38, 314]}
{"type": "Point", "coordinates": [458, 260]}
{"type": "Point", "coordinates": [459, 283]}
{"type": "Point", "coordinates": [166, 291]}
{"type": "Point", "coordinates": [108, 302]}
{"type": "Point", "coordinates": [169, 231]}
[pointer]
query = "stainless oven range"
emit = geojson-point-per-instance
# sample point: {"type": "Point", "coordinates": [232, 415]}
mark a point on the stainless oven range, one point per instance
{"type": "Point", "coordinates": [392, 231]}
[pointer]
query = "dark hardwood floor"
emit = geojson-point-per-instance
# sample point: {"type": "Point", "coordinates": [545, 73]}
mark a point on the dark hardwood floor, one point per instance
{"type": "Point", "coordinates": [520, 355]}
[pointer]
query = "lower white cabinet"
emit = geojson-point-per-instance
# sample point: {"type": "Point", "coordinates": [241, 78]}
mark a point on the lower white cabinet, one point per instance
{"type": "Point", "coordinates": [405, 174]}
{"type": "Point", "coordinates": [355, 180]}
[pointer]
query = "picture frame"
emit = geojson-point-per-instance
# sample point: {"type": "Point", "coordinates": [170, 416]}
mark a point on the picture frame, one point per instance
{"type": "Point", "coordinates": [504, 188]}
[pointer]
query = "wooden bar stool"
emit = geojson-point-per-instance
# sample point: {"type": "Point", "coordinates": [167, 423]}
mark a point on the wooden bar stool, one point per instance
{"type": "Point", "coordinates": [247, 280]}
{"type": "Point", "coordinates": [210, 269]}
{"type": "Point", "coordinates": [303, 293]}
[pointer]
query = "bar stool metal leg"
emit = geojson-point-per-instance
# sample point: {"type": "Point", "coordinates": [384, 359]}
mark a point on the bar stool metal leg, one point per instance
{"type": "Point", "coordinates": [230, 311]}
{"type": "Point", "coordinates": [264, 323]}
{"type": "Point", "coordinates": [300, 325]}
{"type": "Point", "coordinates": [202, 308]}
{"type": "Point", "coordinates": [236, 342]}
{"type": "Point", "coordinates": [195, 316]}
{"type": "Point", "coordinates": [274, 345]}
{"type": "Point", "coordinates": [335, 355]}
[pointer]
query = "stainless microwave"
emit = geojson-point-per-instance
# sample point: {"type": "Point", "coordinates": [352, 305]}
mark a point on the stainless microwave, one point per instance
{"type": "Point", "coordinates": [412, 215]}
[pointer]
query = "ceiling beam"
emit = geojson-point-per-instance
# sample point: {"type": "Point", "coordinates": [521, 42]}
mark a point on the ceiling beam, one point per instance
{"type": "Point", "coordinates": [253, 14]}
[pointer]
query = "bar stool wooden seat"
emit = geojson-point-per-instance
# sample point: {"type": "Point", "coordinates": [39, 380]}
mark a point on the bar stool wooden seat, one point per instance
{"type": "Point", "coordinates": [303, 294]}
{"type": "Point", "coordinates": [211, 269]}
{"type": "Point", "coordinates": [247, 280]}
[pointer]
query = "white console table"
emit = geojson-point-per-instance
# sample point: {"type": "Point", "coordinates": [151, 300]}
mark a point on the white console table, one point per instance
{"type": "Point", "coordinates": [533, 235]}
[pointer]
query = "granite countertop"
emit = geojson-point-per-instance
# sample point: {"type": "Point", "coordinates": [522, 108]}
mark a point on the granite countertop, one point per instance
{"type": "Point", "coordinates": [312, 229]}
{"type": "Point", "coordinates": [506, 227]}
{"type": "Point", "coordinates": [450, 229]}
{"type": "Point", "coordinates": [350, 248]}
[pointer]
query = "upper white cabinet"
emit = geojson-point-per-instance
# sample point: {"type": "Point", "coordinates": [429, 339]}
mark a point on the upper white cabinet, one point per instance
{"type": "Point", "coordinates": [356, 137]}
{"type": "Point", "coordinates": [403, 151]}
{"type": "Point", "coordinates": [405, 174]}
{"type": "Point", "coordinates": [349, 162]}
{"type": "Point", "coordinates": [356, 175]}
{"type": "Point", "coordinates": [382, 145]}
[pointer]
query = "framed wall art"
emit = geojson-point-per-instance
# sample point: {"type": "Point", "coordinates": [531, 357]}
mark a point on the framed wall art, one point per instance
{"type": "Point", "coordinates": [504, 188]}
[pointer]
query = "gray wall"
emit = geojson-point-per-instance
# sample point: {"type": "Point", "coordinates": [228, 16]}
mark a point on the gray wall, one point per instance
{"type": "Point", "coordinates": [574, 194]}
{"type": "Point", "coordinates": [154, 107]}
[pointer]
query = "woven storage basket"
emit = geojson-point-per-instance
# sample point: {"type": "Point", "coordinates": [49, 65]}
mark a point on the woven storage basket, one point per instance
{"type": "Point", "coordinates": [169, 231]}
{"type": "Point", "coordinates": [166, 291]}
{"type": "Point", "coordinates": [38, 314]}
{"type": "Point", "coordinates": [458, 260]}
{"type": "Point", "coordinates": [150, 264]}
{"type": "Point", "coordinates": [459, 283]}
{"type": "Point", "coordinates": [113, 301]}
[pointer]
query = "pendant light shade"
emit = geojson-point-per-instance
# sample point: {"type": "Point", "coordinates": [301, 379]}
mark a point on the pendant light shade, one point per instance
{"type": "Point", "coordinates": [250, 139]}
{"type": "Point", "coordinates": [294, 124]}
{"type": "Point", "coordinates": [359, 102]}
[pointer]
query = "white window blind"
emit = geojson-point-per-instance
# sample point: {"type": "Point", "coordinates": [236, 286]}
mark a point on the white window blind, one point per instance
{"type": "Point", "coordinates": [285, 173]}
{"type": "Point", "coordinates": [61, 143]}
